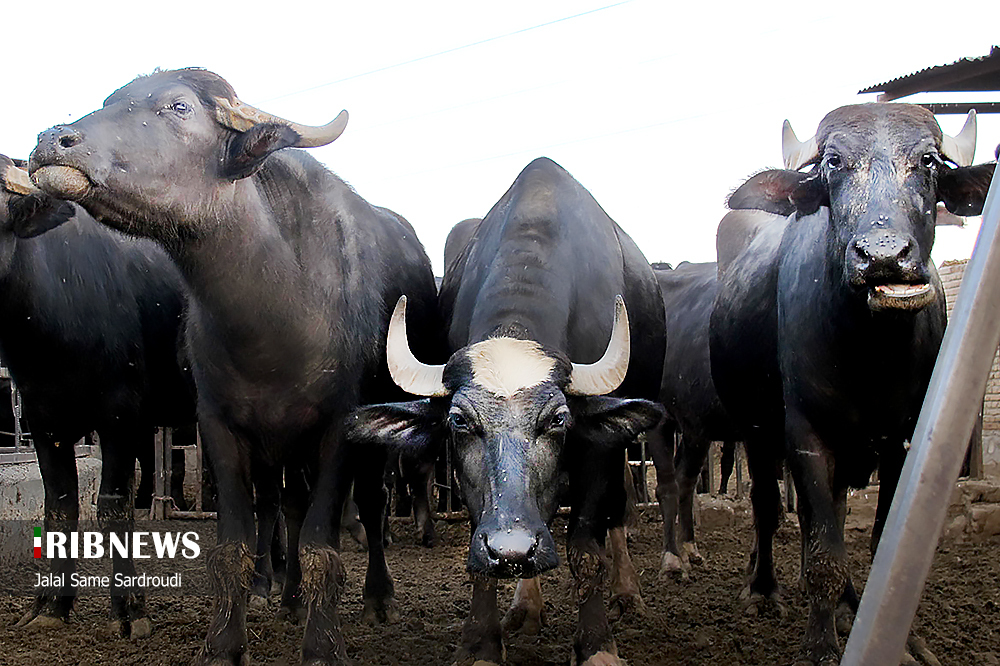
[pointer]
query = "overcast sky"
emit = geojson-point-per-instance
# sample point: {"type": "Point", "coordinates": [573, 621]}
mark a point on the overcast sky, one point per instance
{"type": "Point", "coordinates": [659, 110]}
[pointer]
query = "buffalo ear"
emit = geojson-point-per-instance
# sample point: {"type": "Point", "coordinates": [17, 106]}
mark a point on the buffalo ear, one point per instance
{"type": "Point", "coordinates": [615, 421]}
{"type": "Point", "coordinates": [416, 426]}
{"type": "Point", "coordinates": [249, 149]}
{"type": "Point", "coordinates": [34, 214]}
{"type": "Point", "coordinates": [782, 192]}
{"type": "Point", "coordinates": [963, 189]}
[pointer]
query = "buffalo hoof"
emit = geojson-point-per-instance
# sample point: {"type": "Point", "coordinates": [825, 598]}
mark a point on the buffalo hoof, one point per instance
{"type": "Point", "coordinates": [844, 619]}
{"type": "Point", "coordinates": [428, 540]}
{"type": "Point", "coordinates": [626, 603]}
{"type": "Point", "coordinates": [917, 653]}
{"type": "Point", "coordinates": [756, 604]}
{"type": "Point", "coordinates": [292, 615]}
{"type": "Point", "coordinates": [32, 622]}
{"type": "Point", "coordinates": [527, 620]}
{"type": "Point", "coordinates": [380, 611]}
{"type": "Point", "coordinates": [689, 552]}
{"type": "Point", "coordinates": [672, 566]}
{"type": "Point", "coordinates": [601, 659]}
{"type": "Point", "coordinates": [135, 629]}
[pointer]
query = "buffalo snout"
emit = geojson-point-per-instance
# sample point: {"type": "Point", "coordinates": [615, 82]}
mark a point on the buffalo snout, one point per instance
{"type": "Point", "coordinates": [512, 552]}
{"type": "Point", "coordinates": [53, 143]}
{"type": "Point", "coordinates": [883, 256]}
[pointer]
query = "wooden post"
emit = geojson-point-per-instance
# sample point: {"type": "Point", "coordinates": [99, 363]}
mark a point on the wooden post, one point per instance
{"type": "Point", "coordinates": [163, 461]}
{"type": "Point", "coordinates": [789, 490]}
{"type": "Point", "coordinates": [199, 489]}
{"type": "Point", "coordinates": [713, 457]}
{"type": "Point", "coordinates": [738, 466]}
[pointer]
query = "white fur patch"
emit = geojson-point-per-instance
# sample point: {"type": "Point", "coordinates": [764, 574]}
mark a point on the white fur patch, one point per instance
{"type": "Point", "coordinates": [504, 366]}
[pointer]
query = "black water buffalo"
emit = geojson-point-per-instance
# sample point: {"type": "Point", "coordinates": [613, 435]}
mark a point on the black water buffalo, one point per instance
{"type": "Point", "coordinates": [826, 328]}
{"type": "Point", "coordinates": [291, 276]}
{"type": "Point", "coordinates": [90, 327]}
{"type": "Point", "coordinates": [689, 396]}
{"type": "Point", "coordinates": [536, 285]}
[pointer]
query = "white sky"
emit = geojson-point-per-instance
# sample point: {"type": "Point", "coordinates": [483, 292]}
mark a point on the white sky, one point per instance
{"type": "Point", "coordinates": [659, 110]}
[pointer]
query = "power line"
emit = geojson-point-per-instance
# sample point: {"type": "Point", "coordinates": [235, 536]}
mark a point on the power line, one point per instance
{"type": "Point", "coordinates": [447, 51]}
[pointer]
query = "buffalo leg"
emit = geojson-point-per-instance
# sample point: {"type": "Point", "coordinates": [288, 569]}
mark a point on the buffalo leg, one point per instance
{"type": "Point", "coordinates": [766, 502]}
{"type": "Point", "coordinates": [370, 496]}
{"type": "Point", "coordinates": [57, 463]}
{"type": "Point", "coordinates": [267, 504]}
{"type": "Point", "coordinates": [419, 475]}
{"type": "Point", "coordinates": [482, 640]}
{"type": "Point", "coordinates": [690, 461]}
{"type": "Point", "coordinates": [323, 574]}
{"type": "Point", "coordinates": [660, 444]}
{"type": "Point", "coordinates": [891, 460]}
{"type": "Point", "coordinates": [527, 611]}
{"type": "Point", "coordinates": [230, 561]}
{"type": "Point", "coordinates": [596, 491]}
{"type": "Point", "coordinates": [294, 503]}
{"type": "Point", "coordinates": [115, 514]}
{"type": "Point", "coordinates": [825, 559]}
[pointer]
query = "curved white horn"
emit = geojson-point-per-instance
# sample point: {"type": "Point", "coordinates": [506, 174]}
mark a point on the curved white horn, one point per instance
{"type": "Point", "coordinates": [796, 154]}
{"type": "Point", "coordinates": [16, 180]}
{"type": "Point", "coordinates": [961, 148]}
{"type": "Point", "coordinates": [607, 374]}
{"type": "Point", "coordinates": [410, 374]}
{"type": "Point", "coordinates": [239, 116]}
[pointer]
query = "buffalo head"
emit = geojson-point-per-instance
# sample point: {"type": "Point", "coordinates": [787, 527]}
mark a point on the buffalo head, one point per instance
{"type": "Point", "coordinates": [880, 170]}
{"type": "Point", "coordinates": [165, 151]}
{"type": "Point", "coordinates": [25, 210]}
{"type": "Point", "coordinates": [514, 413]}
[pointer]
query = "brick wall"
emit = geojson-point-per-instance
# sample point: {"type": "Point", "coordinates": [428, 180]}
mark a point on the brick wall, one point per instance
{"type": "Point", "coordinates": [951, 275]}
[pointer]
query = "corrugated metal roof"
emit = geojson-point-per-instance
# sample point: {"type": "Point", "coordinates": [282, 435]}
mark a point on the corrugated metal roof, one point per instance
{"type": "Point", "coordinates": [967, 74]}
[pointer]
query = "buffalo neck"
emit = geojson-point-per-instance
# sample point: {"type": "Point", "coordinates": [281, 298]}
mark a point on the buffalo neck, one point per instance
{"type": "Point", "coordinates": [254, 294]}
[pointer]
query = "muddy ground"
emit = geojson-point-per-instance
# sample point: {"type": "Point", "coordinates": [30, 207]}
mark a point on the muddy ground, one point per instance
{"type": "Point", "coordinates": [693, 621]}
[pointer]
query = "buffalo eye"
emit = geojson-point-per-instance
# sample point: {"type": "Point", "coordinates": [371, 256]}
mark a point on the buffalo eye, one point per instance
{"type": "Point", "coordinates": [559, 421]}
{"type": "Point", "coordinates": [181, 108]}
{"type": "Point", "coordinates": [834, 162]}
{"type": "Point", "coordinates": [458, 422]}
{"type": "Point", "coordinates": [930, 160]}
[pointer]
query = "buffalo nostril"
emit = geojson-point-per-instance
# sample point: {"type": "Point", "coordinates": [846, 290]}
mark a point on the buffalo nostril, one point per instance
{"type": "Point", "coordinates": [494, 555]}
{"type": "Point", "coordinates": [68, 137]}
{"type": "Point", "coordinates": [905, 252]}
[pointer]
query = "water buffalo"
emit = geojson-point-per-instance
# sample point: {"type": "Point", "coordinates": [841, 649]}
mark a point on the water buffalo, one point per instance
{"type": "Point", "coordinates": [291, 276]}
{"type": "Point", "coordinates": [90, 329]}
{"type": "Point", "coordinates": [689, 396]}
{"type": "Point", "coordinates": [827, 324]}
{"type": "Point", "coordinates": [535, 286]}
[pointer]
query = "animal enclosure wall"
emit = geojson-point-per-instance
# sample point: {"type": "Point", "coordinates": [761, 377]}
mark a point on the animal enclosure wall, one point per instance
{"type": "Point", "coordinates": [952, 273]}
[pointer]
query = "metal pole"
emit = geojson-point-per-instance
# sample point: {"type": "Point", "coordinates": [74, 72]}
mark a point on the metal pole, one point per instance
{"type": "Point", "coordinates": [941, 436]}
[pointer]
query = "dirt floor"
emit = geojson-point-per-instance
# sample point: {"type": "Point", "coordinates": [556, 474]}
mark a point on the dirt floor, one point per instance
{"type": "Point", "coordinates": [693, 621]}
